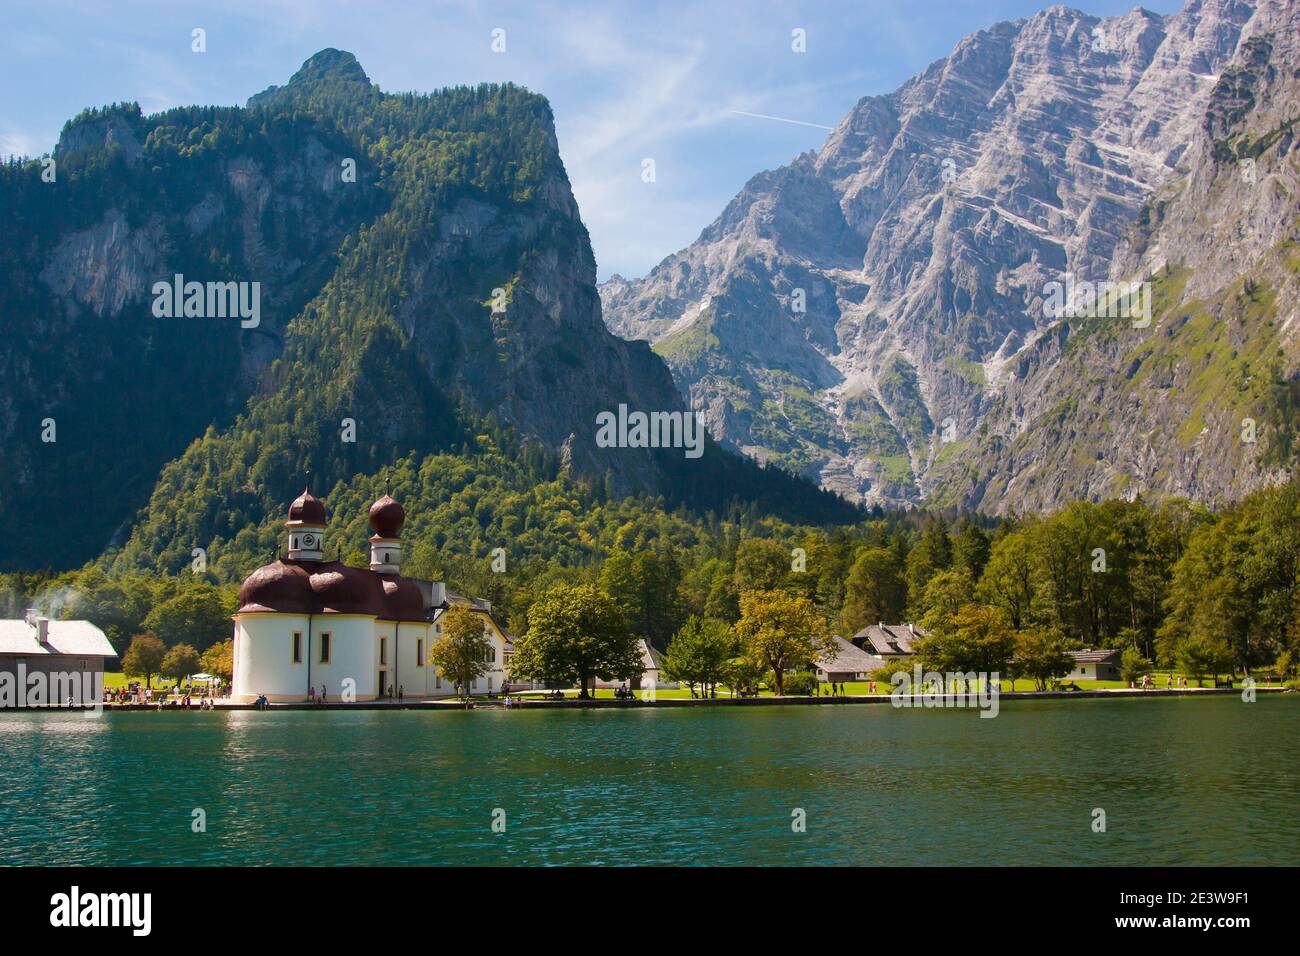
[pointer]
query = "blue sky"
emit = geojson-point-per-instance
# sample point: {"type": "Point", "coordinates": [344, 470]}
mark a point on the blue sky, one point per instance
{"type": "Point", "coordinates": [627, 81]}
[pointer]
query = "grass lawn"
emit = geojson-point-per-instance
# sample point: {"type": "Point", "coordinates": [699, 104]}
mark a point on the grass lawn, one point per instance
{"type": "Point", "coordinates": [115, 680]}
{"type": "Point", "coordinates": [607, 693]}
{"type": "Point", "coordinates": [1023, 685]}
{"type": "Point", "coordinates": [883, 688]}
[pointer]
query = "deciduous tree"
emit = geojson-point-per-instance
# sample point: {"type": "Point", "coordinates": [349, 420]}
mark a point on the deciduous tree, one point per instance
{"type": "Point", "coordinates": [144, 657]}
{"type": "Point", "coordinates": [575, 633]}
{"type": "Point", "coordinates": [699, 654]}
{"type": "Point", "coordinates": [1041, 654]}
{"type": "Point", "coordinates": [781, 631]}
{"type": "Point", "coordinates": [462, 653]}
{"type": "Point", "coordinates": [180, 661]}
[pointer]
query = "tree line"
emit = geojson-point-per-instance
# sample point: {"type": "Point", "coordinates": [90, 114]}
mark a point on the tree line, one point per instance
{"type": "Point", "coordinates": [1169, 583]}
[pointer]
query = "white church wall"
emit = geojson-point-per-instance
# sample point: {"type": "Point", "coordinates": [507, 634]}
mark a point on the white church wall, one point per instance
{"type": "Point", "coordinates": [405, 666]}
{"type": "Point", "coordinates": [264, 656]}
{"type": "Point", "coordinates": [352, 639]}
{"type": "Point", "coordinates": [264, 661]}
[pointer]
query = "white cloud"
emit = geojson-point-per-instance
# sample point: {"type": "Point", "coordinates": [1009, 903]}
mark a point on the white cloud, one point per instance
{"type": "Point", "coordinates": [18, 143]}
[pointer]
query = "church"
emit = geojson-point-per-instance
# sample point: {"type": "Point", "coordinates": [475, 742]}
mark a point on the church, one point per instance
{"type": "Point", "coordinates": [352, 634]}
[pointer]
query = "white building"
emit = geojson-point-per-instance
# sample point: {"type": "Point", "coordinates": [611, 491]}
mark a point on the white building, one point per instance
{"type": "Point", "coordinates": [45, 662]}
{"type": "Point", "coordinates": [1090, 664]}
{"type": "Point", "coordinates": [306, 624]}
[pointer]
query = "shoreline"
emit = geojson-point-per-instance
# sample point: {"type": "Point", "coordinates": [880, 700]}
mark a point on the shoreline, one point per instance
{"type": "Point", "coordinates": [497, 703]}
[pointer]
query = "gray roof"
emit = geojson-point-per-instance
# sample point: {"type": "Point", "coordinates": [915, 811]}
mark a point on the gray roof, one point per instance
{"type": "Point", "coordinates": [473, 603]}
{"type": "Point", "coordinates": [651, 659]}
{"type": "Point", "coordinates": [74, 638]}
{"type": "Point", "coordinates": [848, 659]}
{"type": "Point", "coordinates": [1090, 656]}
{"type": "Point", "coordinates": [889, 638]}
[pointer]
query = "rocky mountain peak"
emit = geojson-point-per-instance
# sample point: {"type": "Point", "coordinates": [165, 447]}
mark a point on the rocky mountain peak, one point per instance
{"type": "Point", "coordinates": [855, 315]}
{"type": "Point", "coordinates": [329, 70]}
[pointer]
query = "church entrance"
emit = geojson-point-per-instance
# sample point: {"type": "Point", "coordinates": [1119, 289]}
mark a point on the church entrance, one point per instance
{"type": "Point", "coordinates": [383, 687]}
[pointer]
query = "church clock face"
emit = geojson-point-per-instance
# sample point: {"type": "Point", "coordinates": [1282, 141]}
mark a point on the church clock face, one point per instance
{"type": "Point", "coordinates": [308, 540]}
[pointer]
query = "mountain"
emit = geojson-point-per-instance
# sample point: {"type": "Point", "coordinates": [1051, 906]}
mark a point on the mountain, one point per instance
{"type": "Point", "coordinates": [878, 314]}
{"type": "Point", "coordinates": [424, 278]}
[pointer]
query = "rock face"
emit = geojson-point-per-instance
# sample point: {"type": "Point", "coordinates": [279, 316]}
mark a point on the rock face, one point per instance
{"type": "Point", "coordinates": [424, 275]}
{"type": "Point", "coordinates": [873, 315]}
{"type": "Point", "coordinates": [135, 201]}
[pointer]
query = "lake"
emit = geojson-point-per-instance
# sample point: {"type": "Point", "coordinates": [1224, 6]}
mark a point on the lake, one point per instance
{"type": "Point", "coordinates": [1181, 781]}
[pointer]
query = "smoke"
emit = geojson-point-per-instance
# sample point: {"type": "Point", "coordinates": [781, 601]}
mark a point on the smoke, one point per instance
{"type": "Point", "coordinates": [53, 602]}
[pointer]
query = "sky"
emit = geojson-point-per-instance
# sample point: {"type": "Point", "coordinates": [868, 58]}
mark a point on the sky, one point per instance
{"type": "Point", "coordinates": [667, 81]}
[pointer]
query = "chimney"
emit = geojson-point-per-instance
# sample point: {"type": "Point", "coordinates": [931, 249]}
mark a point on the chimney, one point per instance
{"type": "Point", "coordinates": [910, 629]}
{"type": "Point", "coordinates": [42, 630]}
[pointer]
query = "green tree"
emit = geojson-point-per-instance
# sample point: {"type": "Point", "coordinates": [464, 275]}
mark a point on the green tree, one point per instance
{"type": "Point", "coordinates": [699, 654]}
{"type": "Point", "coordinates": [1203, 655]}
{"type": "Point", "coordinates": [1008, 579]}
{"type": "Point", "coordinates": [647, 586]}
{"type": "Point", "coordinates": [144, 657]}
{"type": "Point", "coordinates": [575, 633]}
{"type": "Point", "coordinates": [742, 675]}
{"type": "Point", "coordinates": [462, 653]}
{"type": "Point", "coordinates": [781, 631]}
{"type": "Point", "coordinates": [219, 660]}
{"type": "Point", "coordinates": [1041, 654]}
{"type": "Point", "coordinates": [885, 673]}
{"type": "Point", "coordinates": [197, 614]}
{"type": "Point", "coordinates": [1132, 665]}
{"type": "Point", "coordinates": [180, 661]}
{"type": "Point", "coordinates": [932, 554]}
{"type": "Point", "coordinates": [723, 602]}
{"type": "Point", "coordinates": [875, 590]}
{"type": "Point", "coordinates": [970, 547]}
{"type": "Point", "coordinates": [975, 639]}
{"type": "Point", "coordinates": [761, 565]}
{"type": "Point", "coordinates": [945, 594]}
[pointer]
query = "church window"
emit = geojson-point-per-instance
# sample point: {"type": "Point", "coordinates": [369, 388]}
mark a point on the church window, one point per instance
{"type": "Point", "coordinates": [419, 652]}
{"type": "Point", "coordinates": [297, 647]}
{"type": "Point", "coordinates": [383, 650]}
{"type": "Point", "coordinates": [325, 648]}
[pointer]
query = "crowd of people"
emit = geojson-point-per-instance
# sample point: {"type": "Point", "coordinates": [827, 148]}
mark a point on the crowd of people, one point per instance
{"type": "Point", "coordinates": [184, 695]}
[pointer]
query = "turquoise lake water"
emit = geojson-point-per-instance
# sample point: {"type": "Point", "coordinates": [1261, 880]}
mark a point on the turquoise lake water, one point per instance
{"type": "Point", "coordinates": [1208, 781]}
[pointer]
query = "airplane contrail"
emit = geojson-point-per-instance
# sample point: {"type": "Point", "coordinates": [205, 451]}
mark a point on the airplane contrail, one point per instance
{"type": "Point", "coordinates": [782, 119]}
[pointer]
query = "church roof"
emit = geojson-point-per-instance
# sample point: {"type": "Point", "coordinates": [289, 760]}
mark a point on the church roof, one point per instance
{"type": "Point", "coordinates": [286, 586]}
{"type": "Point", "coordinates": [387, 517]}
{"type": "Point", "coordinates": [306, 509]}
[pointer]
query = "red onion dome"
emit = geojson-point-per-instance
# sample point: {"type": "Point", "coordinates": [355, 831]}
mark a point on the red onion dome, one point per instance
{"type": "Point", "coordinates": [387, 517]}
{"type": "Point", "coordinates": [280, 587]}
{"type": "Point", "coordinates": [341, 589]}
{"type": "Point", "coordinates": [306, 509]}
